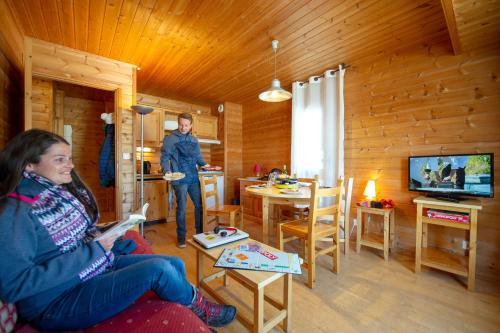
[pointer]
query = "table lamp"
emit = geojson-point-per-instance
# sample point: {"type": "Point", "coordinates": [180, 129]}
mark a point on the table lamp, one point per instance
{"type": "Point", "coordinates": [142, 110]}
{"type": "Point", "coordinates": [370, 191]}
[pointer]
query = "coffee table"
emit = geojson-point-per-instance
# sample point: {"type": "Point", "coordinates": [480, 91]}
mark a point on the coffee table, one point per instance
{"type": "Point", "coordinates": [255, 281]}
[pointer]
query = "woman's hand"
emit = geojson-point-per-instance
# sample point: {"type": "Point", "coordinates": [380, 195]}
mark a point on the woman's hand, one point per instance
{"type": "Point", "coordinates": [108, 242]}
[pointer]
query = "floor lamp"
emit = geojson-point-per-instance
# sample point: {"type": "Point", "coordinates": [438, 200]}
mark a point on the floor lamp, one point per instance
{"type": "Point", "coordinates": [142, 110]}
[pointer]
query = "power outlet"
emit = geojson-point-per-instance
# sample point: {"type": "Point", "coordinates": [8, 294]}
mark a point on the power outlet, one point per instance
{"type": "Point", "coordinates": [465, 244]}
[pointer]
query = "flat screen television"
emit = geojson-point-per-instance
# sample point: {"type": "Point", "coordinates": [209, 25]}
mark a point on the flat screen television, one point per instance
{"type": "Point", "coordinates": [449, 177]}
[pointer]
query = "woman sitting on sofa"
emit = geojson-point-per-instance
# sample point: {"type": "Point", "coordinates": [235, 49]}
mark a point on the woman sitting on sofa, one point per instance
{"type": "Point", "coordinates": [51, 267]}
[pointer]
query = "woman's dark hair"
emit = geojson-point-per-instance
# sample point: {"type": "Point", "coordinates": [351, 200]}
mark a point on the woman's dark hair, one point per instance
{"type": "Point", "coordinates": [187, 116]}
{"type": "Point", "coordinates": [28, 147]}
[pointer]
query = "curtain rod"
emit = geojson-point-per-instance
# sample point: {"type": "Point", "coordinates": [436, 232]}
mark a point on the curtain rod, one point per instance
{"type": "Point", "coordinates": [342, 65]}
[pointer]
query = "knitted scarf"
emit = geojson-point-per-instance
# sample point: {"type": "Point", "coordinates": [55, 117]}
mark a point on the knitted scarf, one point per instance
{"type": "Point", "coordinates": [67, 222]}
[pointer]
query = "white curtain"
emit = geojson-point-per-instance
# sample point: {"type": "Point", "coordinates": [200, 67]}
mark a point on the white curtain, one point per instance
{"type": "Point", "coordinates": [318, 127]}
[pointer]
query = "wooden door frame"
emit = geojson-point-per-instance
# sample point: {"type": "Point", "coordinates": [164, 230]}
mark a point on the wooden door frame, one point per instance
{"type": "Point", "coordinates": [28, 124]}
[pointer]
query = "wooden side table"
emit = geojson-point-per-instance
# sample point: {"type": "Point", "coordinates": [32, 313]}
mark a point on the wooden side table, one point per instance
{"type": "Point", "coordinates": [373, 240]}
{"type": "Point", "coordinates": [444, 260]}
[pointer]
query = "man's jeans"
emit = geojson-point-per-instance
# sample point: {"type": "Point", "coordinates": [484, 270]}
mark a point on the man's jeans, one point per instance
{"type": "Point", "coordinates": [111, 292]}
{"type": "Point", "coordinates": [181, 192]}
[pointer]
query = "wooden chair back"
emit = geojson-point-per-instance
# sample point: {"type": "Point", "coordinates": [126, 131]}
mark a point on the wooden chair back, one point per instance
{"type": "Point", "coordinates": [346, 208]}
{"type": "Point", "coordinates": [206, 181]}
{"type": "Point", "coordinates": [334, 209]}
{"type": "Point", "coordinates": [229, 212]}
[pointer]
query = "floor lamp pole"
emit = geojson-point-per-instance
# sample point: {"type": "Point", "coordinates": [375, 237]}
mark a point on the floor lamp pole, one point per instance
{"type": "Point", "coordinates": [141, 226]}
{"type": "Point", "coordinates": [142, 110]}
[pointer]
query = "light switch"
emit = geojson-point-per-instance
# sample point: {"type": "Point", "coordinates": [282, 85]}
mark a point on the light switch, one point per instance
{"type": "Point", "coordinates": [127, 156]}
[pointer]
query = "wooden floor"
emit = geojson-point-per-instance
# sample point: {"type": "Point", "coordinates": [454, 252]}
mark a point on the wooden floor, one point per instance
{"type": "Point", "coordinates": [368, 295]}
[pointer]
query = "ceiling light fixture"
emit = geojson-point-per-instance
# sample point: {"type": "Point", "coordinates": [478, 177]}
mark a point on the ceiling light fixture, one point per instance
{"type": "Point", "coordinates": [275, 93]}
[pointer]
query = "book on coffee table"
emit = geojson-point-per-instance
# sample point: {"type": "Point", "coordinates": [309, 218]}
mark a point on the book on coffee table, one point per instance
{"type": "Point", "coordinates": [209, 239]}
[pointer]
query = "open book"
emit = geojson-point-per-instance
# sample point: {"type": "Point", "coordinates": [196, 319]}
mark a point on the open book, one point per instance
{"type": "Point", "coordinates": [122, 226]}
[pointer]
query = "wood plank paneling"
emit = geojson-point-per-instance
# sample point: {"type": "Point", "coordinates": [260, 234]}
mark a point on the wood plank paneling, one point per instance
{"type": "Point", "coordinates": [84, 116]}
{"type": "Point", "coordinates": [266, 135]}
{"type": "Point", "coordinates": [42, 103]}
{"type": "Point", "coordinates": [217, 50]}
{"type": "Point", "coordinates": [10, 100]}
{"type": "Point", "coordinates": [233, 150]}
{"type": "Point", "coordinates": [11, 38]}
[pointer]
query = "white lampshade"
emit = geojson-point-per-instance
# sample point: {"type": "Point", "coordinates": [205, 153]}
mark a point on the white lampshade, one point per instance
{"type": "Point", "coordinates": [275, 93]}
{"type": "Point", "coordinates": [370, 192]}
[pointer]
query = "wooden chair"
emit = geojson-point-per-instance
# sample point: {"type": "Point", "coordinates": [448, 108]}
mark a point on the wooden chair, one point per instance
{"type": "Point", "coordinates": [346, 208]}
{"type": "Point", "coordinates": [229, 212]}
{"type": "Point", "coordinates": [285, 212]}
{"type": "Point", "coordinates": [310, 230]}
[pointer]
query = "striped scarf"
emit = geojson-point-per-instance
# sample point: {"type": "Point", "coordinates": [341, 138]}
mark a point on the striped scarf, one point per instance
{"type": "Point", "coordinates": [67, 222]}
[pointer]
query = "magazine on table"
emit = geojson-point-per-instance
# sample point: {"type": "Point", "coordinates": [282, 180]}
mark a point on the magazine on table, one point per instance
{"type": "Point", "coordinates": [119, 229]}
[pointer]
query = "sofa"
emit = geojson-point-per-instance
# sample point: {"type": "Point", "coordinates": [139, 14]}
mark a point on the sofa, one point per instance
{"type": "Point", "coordinates": [148, 314]}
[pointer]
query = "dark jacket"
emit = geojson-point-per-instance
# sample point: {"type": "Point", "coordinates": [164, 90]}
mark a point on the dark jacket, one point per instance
{"type": "Point", "coordinates": [183, 152]}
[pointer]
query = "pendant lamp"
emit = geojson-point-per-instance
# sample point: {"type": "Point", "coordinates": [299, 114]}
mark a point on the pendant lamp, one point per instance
{"type": "Point", "coordinates": [275, 93]}
{"type": "Point", "coordinates": [142, 110]}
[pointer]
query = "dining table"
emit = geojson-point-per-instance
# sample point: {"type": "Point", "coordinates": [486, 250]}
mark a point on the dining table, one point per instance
{"type": "Point", "coordinates": [274, 196]}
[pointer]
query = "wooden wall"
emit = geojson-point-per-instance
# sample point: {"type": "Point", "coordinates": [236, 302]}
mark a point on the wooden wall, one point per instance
{"type": "Point", "coordinates": [10, 100]}
{"type": "Point", "coordinates": [420, 100]}
{"type": "Point", "coordinates": [51, 61]}
{"type": "Point", "coordinates": [233, 150]}
{"type": "Point", "coordinates": [267, 132]}
{"type": "Point", "coordinates": [42, 103]}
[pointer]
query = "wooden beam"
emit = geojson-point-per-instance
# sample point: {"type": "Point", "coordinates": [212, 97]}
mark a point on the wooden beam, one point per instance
{"type": "Point", "coordinates": [449, 14]}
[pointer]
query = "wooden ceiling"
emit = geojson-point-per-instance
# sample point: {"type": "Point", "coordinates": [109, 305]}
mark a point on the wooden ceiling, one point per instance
{"type": "Point", "coordinates": [220, 50]}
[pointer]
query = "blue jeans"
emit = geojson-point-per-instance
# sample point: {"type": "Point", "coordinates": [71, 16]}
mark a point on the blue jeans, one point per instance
{"type": "Point", "coordinates": [181, 192]}
{"type": "Point", "coordinates": [111, 292]}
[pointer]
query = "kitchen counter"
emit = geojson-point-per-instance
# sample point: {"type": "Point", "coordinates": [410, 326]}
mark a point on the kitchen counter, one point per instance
{"type": "Point", "coordinates": [152, 176]}
{"type": "Point", "coordinates": [217, 173]}
{"type": "Point", "coordinates": [159, 176]}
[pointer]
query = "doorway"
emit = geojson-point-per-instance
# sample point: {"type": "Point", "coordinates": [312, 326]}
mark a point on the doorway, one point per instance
{"type": "Point", "coordinates": [77, 117]}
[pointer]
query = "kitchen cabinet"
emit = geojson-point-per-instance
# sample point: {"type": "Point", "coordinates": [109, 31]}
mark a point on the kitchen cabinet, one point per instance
{"type": "Point", "coordinates": [251, 205]}
{"type": "Point", "coordinates": [205, 126]}
{"type": "Point", "coordinates": [155, 193]}
{"type": "Point", "coordinates": [153, 129]}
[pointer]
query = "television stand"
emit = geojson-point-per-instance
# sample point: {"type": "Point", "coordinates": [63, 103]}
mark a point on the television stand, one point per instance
{"type": "Point", "coordinates": [448, 261]}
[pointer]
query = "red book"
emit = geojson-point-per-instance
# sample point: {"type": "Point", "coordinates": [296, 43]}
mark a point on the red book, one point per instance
{"type": "Point", "coordinates": [450, 216]}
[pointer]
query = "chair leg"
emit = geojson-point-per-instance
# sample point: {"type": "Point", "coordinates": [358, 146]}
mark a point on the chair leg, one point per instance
{"type": "Point", "coordinates": [336, 253]}
{"type": "Point", "coordinates": [280, 238]}
{"type": "Point", "coordinates": [231, 219]}
{"type": "Point", "coordinates": [311, 272]}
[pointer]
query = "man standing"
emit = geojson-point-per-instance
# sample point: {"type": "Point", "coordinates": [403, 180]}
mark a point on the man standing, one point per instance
{"type": "Point", "coordinates": [182, 150]}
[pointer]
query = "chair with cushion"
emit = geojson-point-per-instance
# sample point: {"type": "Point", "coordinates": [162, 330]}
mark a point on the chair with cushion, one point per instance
{"type": "Point", "coordinates": [310, 230]}
{"type": "Point", "coordinates": [148, 314]}
{"type": "Point", "coordinates": [229, 212]}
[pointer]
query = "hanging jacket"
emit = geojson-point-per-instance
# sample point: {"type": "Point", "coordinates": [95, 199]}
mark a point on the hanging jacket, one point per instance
{"type": "Point", "coordinates": [183, 152]}
{"type": "Point", "coordinates": [107, 157]}
{"type": "Point", "coordinates": [46, 245]}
